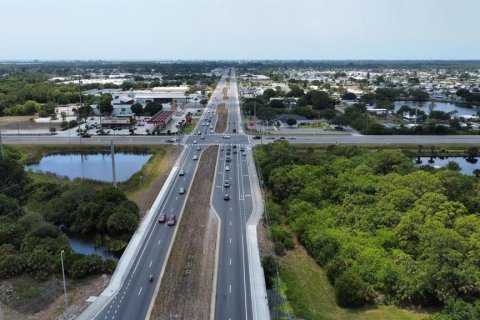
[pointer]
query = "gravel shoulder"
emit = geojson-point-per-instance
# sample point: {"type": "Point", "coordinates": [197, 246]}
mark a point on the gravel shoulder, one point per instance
{"type": "Point", "coordinates": [185, 290]}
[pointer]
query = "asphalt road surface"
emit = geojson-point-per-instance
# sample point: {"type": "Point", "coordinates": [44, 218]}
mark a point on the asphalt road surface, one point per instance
{"type": "Point", "coordinates": [237, 138]}
{"type": "Point", "coordinates": [233, 298]}
{"type": "Point", "coordinates": [133, 299]}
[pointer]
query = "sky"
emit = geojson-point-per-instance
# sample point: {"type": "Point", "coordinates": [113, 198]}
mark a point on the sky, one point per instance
{"type": "Point", "coordinates": [239, 29]}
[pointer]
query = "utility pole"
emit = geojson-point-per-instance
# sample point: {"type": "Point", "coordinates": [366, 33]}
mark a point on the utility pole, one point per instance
{"type": "Point", "coordinates": [64, 284]}
{"type": "Point", "coordinates": [114, 178]}
{"type": "Point", "coordinates": [1, 145]}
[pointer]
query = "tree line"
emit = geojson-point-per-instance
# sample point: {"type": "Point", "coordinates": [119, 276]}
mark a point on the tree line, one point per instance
{"type": "Point", "coordinates": [383, 230]}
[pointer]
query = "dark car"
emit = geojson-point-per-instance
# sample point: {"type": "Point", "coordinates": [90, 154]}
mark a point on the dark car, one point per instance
{"type": "Point", "coordinates": [86, 135]}
{"type": "Point", "coordinates": [234, 130]}
{"type": "Point", "coordinates": [227, 184]}
{"type": "Point", "coordinates": [162, 218]}
{"type": "Point", "coordinates": [226, 197]}
{"type": "Point", "coordinates": [258, 138]}
{"type": "Point", "coordinates": [339, 128]}
{"type": "Point", "coordinates": [228, 158]}
{"type": "Point", "coordinates": [172, 220]}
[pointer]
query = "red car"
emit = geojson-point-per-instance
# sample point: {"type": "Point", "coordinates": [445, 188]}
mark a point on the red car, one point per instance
{"type": "Point", "coordinates": [172, 220]}
{"type": "Point", "coordinates": [162, 218]}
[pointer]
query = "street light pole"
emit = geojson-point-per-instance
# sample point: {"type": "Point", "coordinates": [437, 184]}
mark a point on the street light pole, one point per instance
{"type": "Point", "coordinates": [1, 145]}
{"type": "Point", "coordinates": [64, 284]}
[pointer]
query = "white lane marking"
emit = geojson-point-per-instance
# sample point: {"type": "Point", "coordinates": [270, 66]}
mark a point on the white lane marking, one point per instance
{"type": "Point", "coordinates": [230, 223]}
{"type": "Point", "coordinates": [176, 198]}
{"type": "Point", "coordinates": [159, 241]}
{"type": "Point", "coordinates": [230, 209]}
{"type": "Point", "coordinates": [171, 210]}
{"type": "Point", "coordinates": [230, 290]}
{"type": "Point", "coordinates": [140, 290]}
{"type": "Point", "coordinates": [150, 265]}
{"type": "Point", "coordinates": [230, 240]}
{"type": "Point", "coordinates": [230, 261]}
{"type": "Point", "coordinates": [244, 280]}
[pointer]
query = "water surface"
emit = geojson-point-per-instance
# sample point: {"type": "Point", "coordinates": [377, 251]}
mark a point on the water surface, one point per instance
{"type": "Point", "coordinates": [92, 166]}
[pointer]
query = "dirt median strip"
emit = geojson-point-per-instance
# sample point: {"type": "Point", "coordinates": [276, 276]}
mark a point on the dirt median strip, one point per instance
{"type": "Point", "coordinates": [225, 93]}
{"type": "Point", "coordinates": [222, 113]}
{"type": "Point", "coordinates": [187, 283]}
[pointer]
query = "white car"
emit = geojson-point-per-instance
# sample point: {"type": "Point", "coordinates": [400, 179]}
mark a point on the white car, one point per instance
{"type": "Point", "coordinates": [227, 168]}
{"type": "Point", "coordinates": [195, 157]}
{"type": "Point", "coordinates": [226, 136]}
{"type": "Point", "coordinates": [194, 141]}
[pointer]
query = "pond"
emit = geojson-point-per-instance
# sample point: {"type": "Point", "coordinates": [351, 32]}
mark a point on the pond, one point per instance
{"type": "Point", "coordinates": [86, 245]}
{"type": "Point", "coordinates": [462, 109]}
{"type": "Point", "coordinates": [466, 166]}
{"type": "Point", "coordinates": [91, 166]}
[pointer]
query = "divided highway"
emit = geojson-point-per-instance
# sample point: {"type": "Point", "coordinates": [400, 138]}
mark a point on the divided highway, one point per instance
{"type": "Point", "coordinates": [137, 292]}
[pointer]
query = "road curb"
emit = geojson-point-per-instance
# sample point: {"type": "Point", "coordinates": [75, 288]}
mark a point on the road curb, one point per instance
{"type": "Point", "coordinates": [217, 246]}
{"type": "Point", "coordinates": [258, 289]}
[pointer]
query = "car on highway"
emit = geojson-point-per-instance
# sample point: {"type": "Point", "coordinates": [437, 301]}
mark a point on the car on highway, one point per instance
{"type": "Point", "coordinates": [282, 138]}
{"type": "Point", "coordinates": [234, 130]}
{"type": "Point", "coordinates": [234, 151]}
{"type": "Point", "coordinates": [234, 146]}
{"type": "Point", "coordinates": [162, 218]}
{"type": "Point", "coordinates": [195, 157]}
{"type": "Point", "coordinates": [242, 148]}
{"type": "Point", "coordinates": [226, 197]}
{"type": "Point", "coordinates": [221, 148]}
{"type": "Point", "coordinates": [226, 136]}
{"type": "Point", "coordinates": [227, 168]}
{"type": "Point", "coordinates": [228, 158]}
{"type": "Point", "coordinates": [271, 138]}
{"type": "Point", "coordinates": [202, 137]}
{"type": "Point", "coordinates": [257, 138]}
{"type": "Point", "coordinates": [199, 132]}
{"type": "Point", "coordinates": [244, 153]}
{"type": "Point", "coordinates": [86, 135]}
{"type": "Point", "coordinates": [171, 140]}
{"type": "Point", "coordinates": [199, 148]}
{"type": "Point", "coordinates": [181, 190]}
{"type": "Point", "coordinates": [181, 172]}
{"type": "Point", "coordinates": [226, 184]}
{"type": "Point", "coordinates": [194, 141]}
{"type": "Point", "coordinates": [292, 138]}
{"type": "Point", "coordinates": [172, 220]}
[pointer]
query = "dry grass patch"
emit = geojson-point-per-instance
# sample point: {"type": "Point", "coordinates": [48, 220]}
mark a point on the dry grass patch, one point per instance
{"type": "Point", "coordinates": [225, 93]}
{"type": "Point", "coordinates": [154, 173]}
{"type": "Point", "coordinates": [185, 290]}
{"type": "Point", "coordinates": [24, 123]}
{"type": "Point", "coordinates": [222, 113]}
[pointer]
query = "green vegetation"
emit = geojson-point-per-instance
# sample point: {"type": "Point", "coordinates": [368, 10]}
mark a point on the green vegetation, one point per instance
{"type": "Point", "coordinates": [385, 232]}
{"type": "Point", "coordinates": [313, 297]}
{"type": "Point", "coordinates": [33, 214]}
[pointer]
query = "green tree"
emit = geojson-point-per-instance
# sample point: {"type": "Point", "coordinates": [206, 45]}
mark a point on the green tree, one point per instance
{"type": "Point", "coordinates": [152, 108]}
{"type": "Point", "coordinates": [105, 104]}
{"type": "Point", "coordinates": [137, 109]}
{"type": "Point", "coordinates": [350, 290]}
{"type": "Point", "coordinates": [291, 122]}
